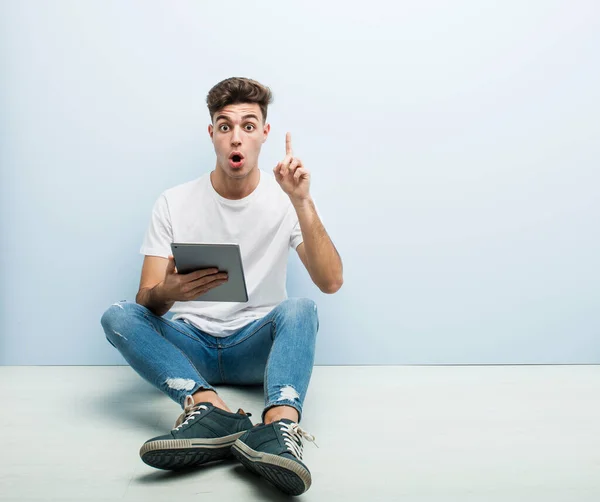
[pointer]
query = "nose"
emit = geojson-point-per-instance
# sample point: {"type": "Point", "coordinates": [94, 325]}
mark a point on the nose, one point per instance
{"type": "Point", "coordinates": [236, 138]}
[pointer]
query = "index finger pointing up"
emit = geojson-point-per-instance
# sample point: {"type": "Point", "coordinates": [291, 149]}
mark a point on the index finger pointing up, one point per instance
{"type": "Point", "coordinates": [288, 144]}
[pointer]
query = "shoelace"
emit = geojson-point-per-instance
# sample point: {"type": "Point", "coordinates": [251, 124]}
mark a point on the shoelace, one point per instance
{"type": "Point", "coordinates": [292, 436]}
{"type": "Point", "coordinates": [190, 411]}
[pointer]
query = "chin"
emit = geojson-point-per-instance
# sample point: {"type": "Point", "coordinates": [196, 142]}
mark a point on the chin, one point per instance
{"type": "Point", "coordinates": [239, 173]}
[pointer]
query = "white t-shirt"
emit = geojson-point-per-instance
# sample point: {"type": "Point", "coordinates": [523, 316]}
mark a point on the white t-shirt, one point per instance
{"type": "Point", "coordinates": [264, 224]}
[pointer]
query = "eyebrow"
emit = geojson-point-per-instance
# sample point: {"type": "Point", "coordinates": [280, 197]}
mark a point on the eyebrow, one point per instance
{"type": "Point", "coordinates": [250, 116]}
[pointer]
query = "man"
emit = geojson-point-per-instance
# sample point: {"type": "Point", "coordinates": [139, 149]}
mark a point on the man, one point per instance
{"type": "Point", "coordinates": [268, 339]}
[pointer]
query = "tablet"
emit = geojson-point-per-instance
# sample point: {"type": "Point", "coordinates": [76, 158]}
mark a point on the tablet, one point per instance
{"type": "Point", "coordinates": [226, 257]}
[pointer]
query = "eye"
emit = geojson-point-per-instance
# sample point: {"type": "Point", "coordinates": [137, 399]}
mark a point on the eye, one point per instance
{"type": "Point", "coordinates": [222, 126]}
{"type": "Point", "coordinates": [249, 127]}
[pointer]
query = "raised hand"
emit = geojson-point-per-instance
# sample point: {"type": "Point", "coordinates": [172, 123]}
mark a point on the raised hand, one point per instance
{"type": "Point", "coordinates": [291, 174]}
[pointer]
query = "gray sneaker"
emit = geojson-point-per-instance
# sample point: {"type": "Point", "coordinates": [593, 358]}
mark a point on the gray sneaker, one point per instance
{"type": "Point", "coordinates": [274, 451]}
{"type": "Point", "coordinates": [203, 433]}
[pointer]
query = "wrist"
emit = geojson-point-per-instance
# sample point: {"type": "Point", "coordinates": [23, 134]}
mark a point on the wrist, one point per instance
{"type": "Point", "coordinates": [160, 294]}
{"type": "Point", "coordinates": [302, 203]}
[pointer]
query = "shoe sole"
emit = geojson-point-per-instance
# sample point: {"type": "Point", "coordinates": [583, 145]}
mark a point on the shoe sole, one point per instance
{"type": "Point", "coordinates": [287, 475]}
{"type": "Point", "coordinates": [174, 454]}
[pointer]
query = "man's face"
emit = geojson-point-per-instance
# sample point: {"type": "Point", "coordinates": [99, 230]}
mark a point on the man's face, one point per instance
{"type": "Point", "coordinates": [237, 134]}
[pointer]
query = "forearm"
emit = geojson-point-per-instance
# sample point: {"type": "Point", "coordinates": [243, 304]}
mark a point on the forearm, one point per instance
{"type": "Point", "coordinates": [152, 299]}
{"type": "Point", "coordinates": [323, 261]}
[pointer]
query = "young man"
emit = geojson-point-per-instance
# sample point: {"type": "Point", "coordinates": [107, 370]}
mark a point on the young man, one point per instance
{"type": "Point", "coordinates": [269, 339]}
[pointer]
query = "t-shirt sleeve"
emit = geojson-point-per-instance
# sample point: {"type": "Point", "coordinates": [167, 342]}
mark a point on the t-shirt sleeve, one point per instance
{"type": "Point", "coordinates": [159, 235]}
{"type": "Point", "coordinates": [296, 236]}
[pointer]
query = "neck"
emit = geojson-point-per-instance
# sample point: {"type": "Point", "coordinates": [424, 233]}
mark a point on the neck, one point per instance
{"type": "Point", "coordinates": [233, 188]}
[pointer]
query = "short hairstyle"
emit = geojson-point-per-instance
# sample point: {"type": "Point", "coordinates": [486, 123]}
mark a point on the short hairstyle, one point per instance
{"type": "Point", "coordinates": [237, 90]}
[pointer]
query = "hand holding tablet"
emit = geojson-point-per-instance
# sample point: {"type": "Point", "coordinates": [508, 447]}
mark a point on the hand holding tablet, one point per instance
{"type": "Point", "coordinates": [206, 272]}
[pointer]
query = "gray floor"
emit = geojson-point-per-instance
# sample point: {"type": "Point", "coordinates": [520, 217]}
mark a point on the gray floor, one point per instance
{"type": "Point", "coordinates": [453, 433]}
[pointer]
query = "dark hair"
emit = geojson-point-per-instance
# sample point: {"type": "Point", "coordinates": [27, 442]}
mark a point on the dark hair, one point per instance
{"type": "Point", "coordinates": [236, 90]}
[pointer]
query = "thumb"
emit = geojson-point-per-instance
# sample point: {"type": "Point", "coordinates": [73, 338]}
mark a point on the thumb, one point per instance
{"type": "Point", "coordinates": [171, 265]}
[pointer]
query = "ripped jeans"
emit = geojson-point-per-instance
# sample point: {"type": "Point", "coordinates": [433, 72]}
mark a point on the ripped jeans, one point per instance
{"type": "Point", "coordinates": [179, 359]}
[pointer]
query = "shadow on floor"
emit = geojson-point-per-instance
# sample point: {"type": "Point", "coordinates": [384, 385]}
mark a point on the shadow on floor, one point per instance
{"type": "Point", "coordinates": [138, 404]}
{"type": "Point", "coordinates": [263, 490]}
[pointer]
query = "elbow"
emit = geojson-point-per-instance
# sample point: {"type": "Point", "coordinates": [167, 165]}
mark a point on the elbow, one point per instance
{"type": "Point", "coordinates": [332, 287]}
{"type": "Point", "coordinates": [139, 297]}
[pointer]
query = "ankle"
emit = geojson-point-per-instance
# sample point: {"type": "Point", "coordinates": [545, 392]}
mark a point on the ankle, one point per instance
{"type": "Point", "coordinates": [210, 396]}
{"type": "Point", "coordinates": [279, 412]}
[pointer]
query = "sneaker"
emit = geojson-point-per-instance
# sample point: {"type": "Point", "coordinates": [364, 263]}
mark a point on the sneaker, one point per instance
{"type": "Point", "coordinates": [274, 451]}
{"type": "Point", "coordinates": [203, 433]}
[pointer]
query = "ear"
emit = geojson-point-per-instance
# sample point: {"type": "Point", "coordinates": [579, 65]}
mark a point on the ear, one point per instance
{"type": "Point", "coordinates": [210, 131]}
{"type": "Point", "coordinates": [266, 131]}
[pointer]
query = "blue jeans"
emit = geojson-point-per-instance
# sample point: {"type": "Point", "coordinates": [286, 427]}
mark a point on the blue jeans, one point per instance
{"type": "Point", "coordinates": [179, 359]}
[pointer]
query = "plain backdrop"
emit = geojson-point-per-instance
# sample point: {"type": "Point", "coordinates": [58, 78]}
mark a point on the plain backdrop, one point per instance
{"type": "Point", "coordinates": [453, 147]}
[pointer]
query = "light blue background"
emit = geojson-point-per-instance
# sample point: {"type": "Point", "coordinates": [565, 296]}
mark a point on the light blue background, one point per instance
{"type": "Point", "coordinates": [454, 148]}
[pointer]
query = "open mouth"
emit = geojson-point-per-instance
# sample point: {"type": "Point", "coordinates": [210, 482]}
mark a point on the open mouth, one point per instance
{"type": "Point", "coordinates": [236, 160]}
